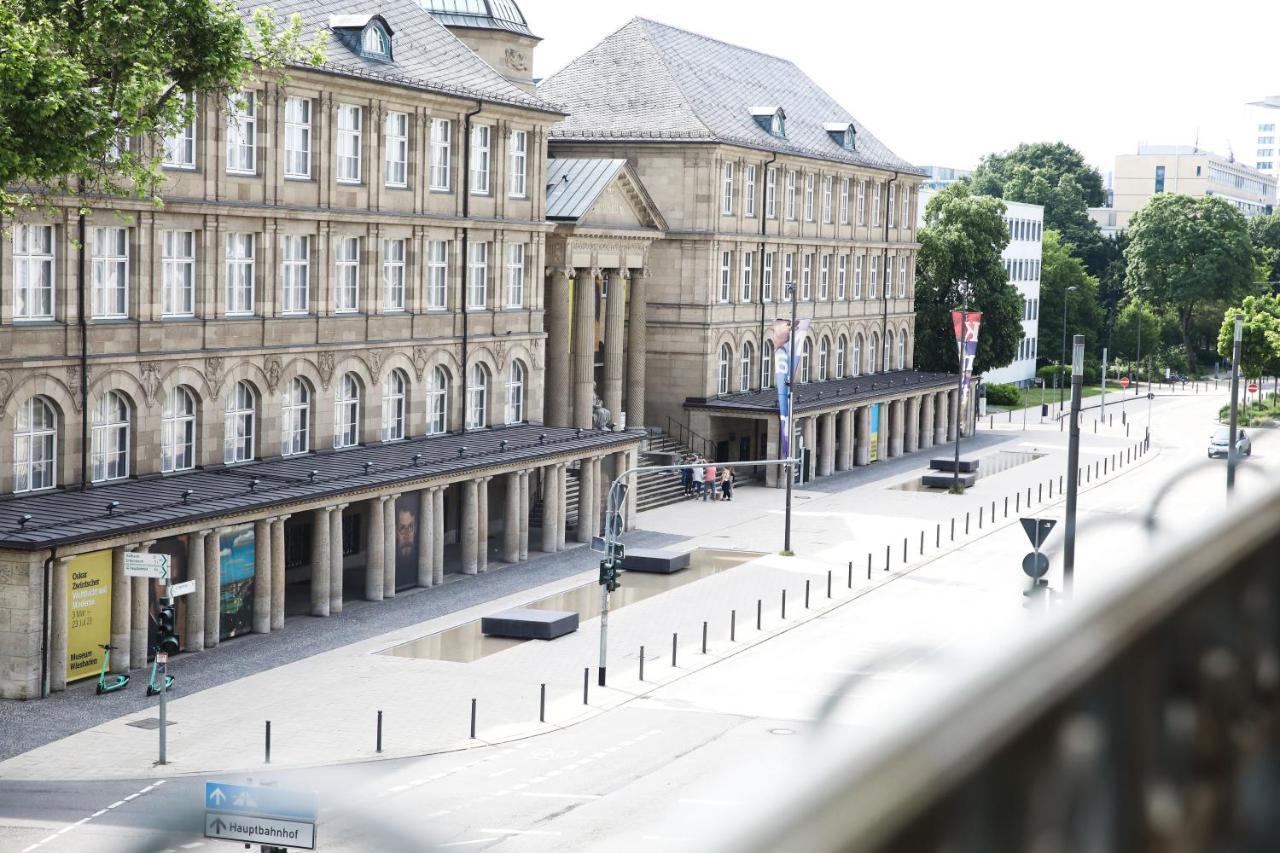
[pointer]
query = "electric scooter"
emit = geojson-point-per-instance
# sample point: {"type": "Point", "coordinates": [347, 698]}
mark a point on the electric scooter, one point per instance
{"type": "Point", "coordinates": [117, 682]}
{"type": "Point", "coordinates": [153, 689]}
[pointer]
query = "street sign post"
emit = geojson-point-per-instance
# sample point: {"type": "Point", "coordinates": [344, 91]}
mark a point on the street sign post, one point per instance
{"type": "Point", "coordinates": [184, 588]}
{"type": "Point", "coordinates": [138, 565]}
{"type": "Point", "coordinates": [268, 816]}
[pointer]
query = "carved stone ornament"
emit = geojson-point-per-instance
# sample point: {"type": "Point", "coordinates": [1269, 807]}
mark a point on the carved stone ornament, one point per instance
{"type": "Point", "coordinates": [6, 390]}
{"type": "Point", "coordinates": [73, 384]}
{"type": "Point", "coordinates": [150, 380]}
{"type": "Point", "coordinates": [376, 357]}
{"type": "Point", "coordinates": [421, 355]}
{"type": "Point", "coordinates": [501, 354]}
{"type": "Point", "coordinates": [327, 362]}
{"type": "Point", "coordinates": [517, 59]}
{"type": "Point", "coordinates": [213, 375]}
{"type": "Point", "coordinates": [274, 370]}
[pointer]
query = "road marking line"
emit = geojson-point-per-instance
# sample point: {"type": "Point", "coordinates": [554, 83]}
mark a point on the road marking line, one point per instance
{"type": "Point", "coordinates": [80, 821]}
{"type": "Point", "coordinates": [440, 813]}
{"type": "Point", "coordinates": [116, 803]}
{"type": "Point", "coordinates": [98, 813]}
{"type": "Point", "coordinates": [520, 832]}
{"type": "Point", "coordinates": [193, 845]}
{"type": "Point", "coordinates": [131, 797]}
{"type": "Point", "coordinates": [520, 787]}
{"type": "Point", "coordinates": [397, 789]}
{"type": "Point", "coordinates": [561, 796]}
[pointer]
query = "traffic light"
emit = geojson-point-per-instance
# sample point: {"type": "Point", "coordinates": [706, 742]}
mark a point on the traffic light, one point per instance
{"type": "Point", "coordinates": [609, 572]}
{"type": "Point", "coordinates": [168, 625]}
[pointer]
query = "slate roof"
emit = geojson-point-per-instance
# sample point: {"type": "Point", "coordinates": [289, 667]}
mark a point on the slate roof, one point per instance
{"type": "Point", "coordinates": [426, 55]}
{"type": "Point", "coordinates": [574, 185]}
{"type": "Point", "coordinates": [649, 81]}
{"type": "Point", "coordinates": [811, 396]}
{"type": "Point", "coordinates": [64, 517]}
{"type": "Point", "coordinates": [479, 14]}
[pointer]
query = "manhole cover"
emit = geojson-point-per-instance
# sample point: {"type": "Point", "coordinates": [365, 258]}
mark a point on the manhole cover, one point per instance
{"type": "Point", "coordinates": [782, 731]}
{"type": "Point", "coordinates": [149, 723]}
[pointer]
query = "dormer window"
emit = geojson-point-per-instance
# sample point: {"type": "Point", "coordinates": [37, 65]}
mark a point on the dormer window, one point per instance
{"type": "Point", "coordinates": [842, 133]}
{"type": "Point", "coordinates": [375, 42]}
{"type": "Point", "coordinates": [367, 36]}
{"type": "Point", "coordinates": [772, 119]}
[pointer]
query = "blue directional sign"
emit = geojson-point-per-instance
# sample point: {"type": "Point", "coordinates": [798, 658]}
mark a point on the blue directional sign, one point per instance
{"type": "Point", "coordinates": [259, 801]}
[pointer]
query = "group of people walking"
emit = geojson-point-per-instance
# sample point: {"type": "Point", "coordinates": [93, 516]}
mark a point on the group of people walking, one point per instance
{"type": "Point", "coordinates": [702, 481]}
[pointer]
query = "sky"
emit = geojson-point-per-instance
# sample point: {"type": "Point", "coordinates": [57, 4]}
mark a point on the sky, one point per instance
{"type": "Point", "coordinates": [943, 83]}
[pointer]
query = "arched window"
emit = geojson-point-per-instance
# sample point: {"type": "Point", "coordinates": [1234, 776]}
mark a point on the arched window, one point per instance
{"type": "Point", "coordinates": [902, 350]}
{"type": "Point", "coordinates": [374, 41]}
{"type": "Point", "coordinates": [239, 422]}
{"type": "Point", "coordinates": [841, 345]}
{"type": "Point", "coordinates": [110, 440]}
{"type": "Point", "coordinates": [438, 403]}
{"type": "Point", "coordinates": [766, 365]}
{"type": "Point", "coordinates": [726, 355]}
{"type": "Point", "coordinates": [746, 366]}
{"type": "Point", "coordinates": [35, 446]}
{"type": "Point", "coordinates": [888, 350]}
{"type": "Point", "coordinates": [515, 393]}
{"type": "Point", "coordinates": [478, 397]}
{"type": "Point", "coordinates": [873, 353]}
{"type": "Point", "coordinates": [296, 431]}
{"type": "Point", "coordinates": [824, 359]}
{"type": "Point", "coordinates": [856, 361]}
{"type": "Point", "coordinates": [806, 356]}
{"type": "Point", "coordinates": [346, 412]}
{"type": "Point", "coordinates": [178, 430]}
{"type": "Point", "coordinates": [394, 391]}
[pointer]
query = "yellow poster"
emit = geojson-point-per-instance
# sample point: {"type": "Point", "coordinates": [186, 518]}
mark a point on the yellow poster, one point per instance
{"type": "Point", "coordinates": [88, 613]}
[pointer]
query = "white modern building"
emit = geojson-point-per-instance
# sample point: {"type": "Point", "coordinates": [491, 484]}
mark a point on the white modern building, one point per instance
{"type": "Point", "coordinates": [1260, 148]}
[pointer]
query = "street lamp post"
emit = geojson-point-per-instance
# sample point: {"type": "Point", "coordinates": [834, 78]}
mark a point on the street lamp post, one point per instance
{"type": "Point", "coordinates": [1137, 379]}
{"type": "Point", "coordinates": [1073, 467]}
{"type": "Point", "coordinates": [955, 471]}
{"type": "Point", "coordinates": [1062, 386]}
{"type": "Point", "coordinates": [791, 416]}
{"type": "Point", "coordinates": [1236, 342]}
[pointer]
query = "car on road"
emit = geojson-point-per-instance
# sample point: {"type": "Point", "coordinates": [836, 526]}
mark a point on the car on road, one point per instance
{"type": "Point", "coordinates": [1221, 438]}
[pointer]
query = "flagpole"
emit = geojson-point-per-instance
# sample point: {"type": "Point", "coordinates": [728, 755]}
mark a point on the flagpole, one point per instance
{"type": "Point", "coordinates": [960, 346]}
{"type": "Point", "coordinates": [791, 419]}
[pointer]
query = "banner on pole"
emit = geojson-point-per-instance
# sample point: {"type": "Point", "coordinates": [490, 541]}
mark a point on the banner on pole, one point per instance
{"type": "Point", "coordinates": [966, 324]}
{"type": "Point", "coordinates": [786, 363]}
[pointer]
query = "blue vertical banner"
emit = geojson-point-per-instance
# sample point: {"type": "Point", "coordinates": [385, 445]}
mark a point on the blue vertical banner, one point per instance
{"type": "Point", "coordinates": [966, 325]}
{"type": "Point", "coordinates": [786, 362]}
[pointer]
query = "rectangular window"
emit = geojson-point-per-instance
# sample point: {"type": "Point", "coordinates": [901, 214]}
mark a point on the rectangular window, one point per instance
{"type": "Point", "coordinates": [844, 202]}
{"type": "Point", "coordinates": [440, 128]}
{"type": "Point", "coordinates": [842, 277]}
{"type": "Point", "coordinates": [806, 278]}
{"type": "Point", "coordinates": [297, 138]}
{"type": "Point", "coordinates": [726, 274]}
{"type": "Point", "coordinates": [826, 198]}
{"type": "Point", "coordinates": [892, 206]}
{"type": "Point", "coordinates": [180, 146]}
{"type": "Point", "coordinates": [350, 124]}
{"type": "Point", "coordinates": [295, 269]}
{"type": "Point", "coordinates": [771, 193]}
{"type": "Point", "coordinates": [874, 283]}
{"type": "Point", "coordinates": [110, 272]}
{"type": "Point", "coordinates": [518, 145]}
{"type": "Point", "coordinates": [906, 208]}
{"type": "Point", "coordinates": [748, 274]}
{"type": "Point", "coordinates": [875, 205]}
{"type": "Point", "coordinates": [862, 202]}
{"type": "Point", "coordinates": [515, 275]}
{"type": "Point", "coordinates": [791, 195]}
{"type": "Point", "coordinates": [824, 278]}
{"type": "Point", "coordinates": [346, 285]}
{"type": "Point", "coordinates": [395, 136]}
{"type": "Point", "coordinates": [393, 256]}
{"type": "Point", "coordinates": [240, 274]}
{"type": "Point", "coordinates": [242, 135]}
{"type": "Point", "coordinates": [808, 198]}
{"type": "Point", "coordinates": [749, 191]}
{"type": "Point", "coordinates": [480, 159]}
{"type": "Point", "coordinates": [726, 207]}
{"type": "Point", "coordinates": [788, 274]}
{"type": "Point", "coordinates": [902, 276]}
{"type": "Point", "coordinates": [766, 285]}
{"type": "Point", "coordinates": [437, 275]}
{"type": "Point", "coordinates": [33, 272]}
{"type": "Point", "coordinates": [1159, 179]}
{"type": "Point", "coordinates": [857, 276]}
{"type": "Point", "coordinates": [178, 272]}
{"type": "Point", "coordinates": [477, 276]}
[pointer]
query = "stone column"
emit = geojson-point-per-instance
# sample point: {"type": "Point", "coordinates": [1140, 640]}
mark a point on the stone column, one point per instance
{"type": "Point", "coordinates": [524, 515]}
{"type": "Point", "coordinates": [844, 425]}
{"type": "Point", "coordinates": [827, 445]}
{"type": "Point", "coordinates": [212, 589]}
{"type": "Point", "coordinates": [637, 317]}
{"type": "Point", "coordinates": [614, 320]}
{"type": "Point", "coordinates": [898, 441]}
{"type": "Point", "coordinates": [810, 427]}
{"type": "Point", "coordinates": [337, 560]}
{"type": "Point", "coordinates": [912, 441]}
{"type": "Point", "coordinates": [321, 562]}
{"type": "Point", "coordinates": [550, 542]}
{"type": "Point", "coordinates": [469, 528]}
{"type": "Point", "coordinates": [774, 475]}
{"type": "Point", "coordinates": [121, 611]}
{"type": "Point", "coordinates": [193, 634]}
{"type": "Point", "coordinates": [277, 572]}
{"type": "Point", "coordinates": [584, 351]}
{"type": "Point", "coordinates": [426, 537]}
{"type": "Point", "coordinates": [140, 619]}
{"type": "Point", "coordinates": [389, 547]}
{"type": "Point", "coordinates": [482, 524]}
{"type": "Point", "coordinates": [586, 499]}
{"type": "Point", "coordinates": [953, 416]}
{"type": "Point", "coordinates": [562, 504]}
{"type": "Point", "coordinates": [375, 548]}
{"type": "Point", "coordinates": [862, 423]}
{"type": "Point", "coordinates": [556, 405]}
{"type": "Point", "coordinates": [437, 517]}
{"type": "Point", "coordinates": [940, 418]}
{"type": "Point", "coordinates": [926, 421]}
{"type": "Point", "coordinates": [511, 520]}
{"type": "Point", "coordinates": [262, 576]}
{"type": "Point", "coordinates": [58, 625]}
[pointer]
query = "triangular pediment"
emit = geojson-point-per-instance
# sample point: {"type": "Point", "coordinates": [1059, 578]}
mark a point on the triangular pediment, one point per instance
{"type": "Point", "coordinates": [623, 203]}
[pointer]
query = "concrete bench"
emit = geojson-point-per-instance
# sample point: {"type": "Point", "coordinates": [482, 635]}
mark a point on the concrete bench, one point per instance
{"type": "Point", "coordinates": [526, 623]}
{"type": "Point", "coordinates": [949, 464]}
{"type": "Point", "coordinates": [655, 560]}
{"type": "Point", "coordinates": [946, 481]}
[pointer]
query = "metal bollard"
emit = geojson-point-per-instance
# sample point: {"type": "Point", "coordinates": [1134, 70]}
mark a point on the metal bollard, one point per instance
{"type": "Point", "coordinates": [268, 742]}
{"type": "Point", "coordinates": [1050, 489]}
{"type": "Point", "coordinates": [981, 513]}
{"type": "Point", "coordinates": [887, 556]}
{"type": "Point", "coordinates": [704, 636]}
{"type": "Point", "coordinates": [868, 567]}
{"type": "Point", "coordinates": [921, 543]}
{"type": "Point", "coordinates": [1006, 506]}
{"type": "Point", "coordinates": [904, 549]}
{"type": "Point", "coordinates": [828, 583]}
{"type": "Point", "coordinates": [642, 663]}
{"type": "Point", "coordinates": [586, 679]}
{"type": "Point", "coordinates": [759, 612]}
{"type": "Point", "coordinates": [542, 699]}
{"type": "Point", "coordinates": [937, 536]}
{"type": "Point", "coordinates": [378, 746]}
{"type": "Point", "coordinates": [473, 719]}
{"type": "Point", "coordinates": [733, 625]}
{"type": "Point", "coordinates": [993, 422]}
{"type": "Point", "coordinates": [1095, 468]}
{"type": "Point", "coordinates": [674, 639]}
{"type": "Point", "coordinates": [953, 529]}
{"type": "Point", "coordinates": [1040, 493]}
{"type": "Point", "coordinates": [1126, 430]}
{"type": "Point", "coordinates": [851, 574]}
{"type": "Point", "coordinates": [993, 512]}
{"type": "Point", "coordinates": [806, 594]}
{"type": "Point", "coordinates": [784, 604]}
{"type": "Point", "coordinates": [1028, 497]}
{"type": "Point", "coordinates": [966, 523]}
{"type": "Point", "coordinates": [1017, 502]}
{"type": "Point", "coordinates": [1095, 427]}
{"type": "Point", "coordinates": [1059, 484]}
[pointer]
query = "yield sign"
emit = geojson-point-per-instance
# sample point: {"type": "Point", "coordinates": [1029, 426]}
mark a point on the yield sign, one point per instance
{"type": "Point", "coordinates": [1038, 529]}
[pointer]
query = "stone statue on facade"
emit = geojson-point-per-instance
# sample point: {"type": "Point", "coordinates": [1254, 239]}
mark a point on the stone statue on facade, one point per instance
{"type": "Point", "coordinates": [599, 414]}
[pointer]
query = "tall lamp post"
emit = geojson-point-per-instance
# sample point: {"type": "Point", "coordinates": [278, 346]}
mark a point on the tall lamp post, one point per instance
{"type": "Point", "coordinates": [1062, 365]}
{"type": "Point", "coordinates": [1073, 467]}
{"type": "Point", "coordinates": [791, 415]}
{"type": "Point", "coordinates": [1137, 379]}
{"type": "Point", "coordinates": [1236, 340]}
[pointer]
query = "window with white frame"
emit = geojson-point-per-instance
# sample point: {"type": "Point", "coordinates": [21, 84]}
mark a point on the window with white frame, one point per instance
{"type": "Point", "coordinates": [906, 208]}
{"type": "Point", "coordinates": [346, 412]}
{"type": "Point", "coordinates": [722, 369]}
{"type": "Point", "coordinates": [788, 274]}
{"type": "Point", "coordinates": [180, 146]}
{"type": "Point", "coordinates": [395, 144]}
{"type": "Point", "coordinates": [902, 350]}
{"type": "Point", "coordinates": [806, 277]}
{"type": "Point", "coordinates": [239, 424]}
{"type": "Point", "coordinates": [771, 193]}
{"type": "Point", "coordinates": [242, 135]}
{"type": "Point", "coordinates": [438, 402]}
{"type": "Point", "coordinates": [857, 276]}
{"type": "Point", "coordinates": [35, 446]}
{"type": "Point", "coordinates": [873, 285]}
{"type": "Point", "coordinates": [826, 198]}
{"type": "Point", "coordinates": [748, 274]}
{"type": "Point", "coordinates": [437, 275]}
{"type": "Point", "coordinates": [393, 258]}
{"type": "Point", "coordinates": [766, 366]}
{"type": "Point", "coordinates": [109, 455]}
{"type": "Point", "coordinates": [296, 418]}
{"type": "Point", "coordinates": [892, 205]}
{"type": "Point", "coordinates": [295, 270]}
{"type": "Point", "coordinates": [844, 201]}
{"type": "Point", "coordinates": [862, 202]}
{"type": "Point", "coordinates": [346, 286]}
{"type": "Point", "coordinates": [726, 275]}
{"type": "Point", "coordinates": [824, 277]}
{"type": "Point", "coordinates": [178, 273]}
{"type": "Point", "coordinates": [110, 272]}
{"type": "Point", "coordinates": [395, 389]}
{"type": "Point", "coordinates": [440, 152]}
{"type": "Point", "coordinates": [726, 199]}
{"type": "Point", "coordinates": [902, 276]}
{"type": "Point", "coordinates": [477, 276]}
{"type": "Point", "coordinates": [297, 137]}
{"type": "Point", "coordinates": [749, 190]}
{"type": "Point", "coordinates": [515, 393]}
{"type": "Point", "coordinates": [875, 204]}
{"type": "Point", "coordinates": [745, 366]}
{"type": "Point", "coordinates": [806, 359]}
{"type": "Point", "coordinates": [855, 360]}
{"type": "Point", "coordinates": [350, 131]}
{"type": "Point", "coordinates": [888, 350]}
{"type": "Point", "coordinates": [873, 353]}
{"type": "Point", "coordinates": [808, 197]}
{"type": "Point", "coordinates": [518, 153]}
{"type": "Point", "coordinates": [515, 275]}
{"type": "Point", "coordinates": [766, 284]}
{"type": "Point", "coordinates": [841, 346]}
{"type": "Point", "coordinates": [824, 359]}
{"type": "Point", "coordinates": [32, 272]}
{"type": "Point", "coordinates": [842, 277]}
{"type": "Point", "coordinates": [478, 397]}
{"type": "Point", "coordinates": [480, 153]}
{"type": "Point", "coordinates": [791, 194]}
{"type": "Point", "coordinates": [240, 274]}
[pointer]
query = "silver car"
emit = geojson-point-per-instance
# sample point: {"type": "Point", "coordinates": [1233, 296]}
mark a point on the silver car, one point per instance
{"type": "Point", "coordinates": [1221, 438]}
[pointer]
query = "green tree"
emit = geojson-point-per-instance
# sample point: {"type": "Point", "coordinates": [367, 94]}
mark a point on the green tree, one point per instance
{"type": "Point", "coordinates": [1260, 336]}
{"type": "Point", "coordinates": [88, 89]}
{"type": "Point", "coordinates": [1187, 252]}
{"type": "Point", "coordinates": [1124, 336]}
{"type": "Point", "coordinates": [1264, 232]}
{"type": "Point", "coordinates": [959, 266]}
{"type": "Point", "coordinates": [1059, 271]}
